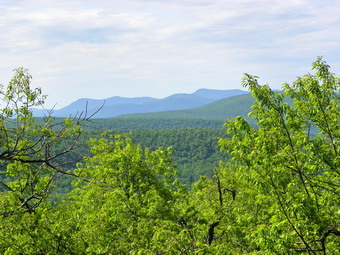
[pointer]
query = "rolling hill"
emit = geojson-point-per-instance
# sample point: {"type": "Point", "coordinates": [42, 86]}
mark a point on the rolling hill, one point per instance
{"type": "Point", "coordinates": [116, 106]}
{"type": "Point", "coordinates": [209, 116]}
{"type": "Point", "coordinates": [220, 110]}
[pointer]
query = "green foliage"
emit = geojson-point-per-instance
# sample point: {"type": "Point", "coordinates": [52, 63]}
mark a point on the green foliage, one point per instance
{"type": "Point", "coordinates": [135, 123]}
{"type": "Point", "coordinates": [279, 193]}
{"type": "Point", "coordinates": [195, 152]}
{"type": "Point", "coordinates": [28, 155]}
{"type": "Point", "coordinates": [297, 171]}
{"type": "Point", "coordinates": [128, 197]}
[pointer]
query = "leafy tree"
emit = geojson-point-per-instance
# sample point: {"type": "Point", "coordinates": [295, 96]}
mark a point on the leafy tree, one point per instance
{"type": "Point", "coordinates": [127, 202]}
{"type": "Point", "coordinates": [292, 158]}
{"type": "Point", "coordinates": [30, 160]}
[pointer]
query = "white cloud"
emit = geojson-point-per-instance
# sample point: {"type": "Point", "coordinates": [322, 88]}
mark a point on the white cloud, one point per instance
{"type": "Point", "coordinates": [90, 48]}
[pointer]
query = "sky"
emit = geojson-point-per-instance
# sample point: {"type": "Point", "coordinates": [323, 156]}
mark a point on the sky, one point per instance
{"type": "Point", "coordinates": [131, 48]}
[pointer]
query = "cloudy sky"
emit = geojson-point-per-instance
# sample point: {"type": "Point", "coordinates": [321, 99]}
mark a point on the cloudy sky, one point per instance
{"type": "Point", "coordinates": [102, 48]}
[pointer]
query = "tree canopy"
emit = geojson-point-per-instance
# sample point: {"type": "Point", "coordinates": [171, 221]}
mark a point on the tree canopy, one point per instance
{"type": "Point", "coordinates": [292, 158]}
{"type": "Point", "coordinates": [30, 159]}
{"type": "Point", "coordinates": [277, 191]}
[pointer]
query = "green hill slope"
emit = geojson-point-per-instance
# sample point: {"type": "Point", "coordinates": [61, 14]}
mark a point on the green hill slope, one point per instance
{"type": "Point", "coordinates": [219, 110]}
{"type": "Point", "coordinates": [209, 116]}
{"type": "Point", "coordinates": [150, 123]}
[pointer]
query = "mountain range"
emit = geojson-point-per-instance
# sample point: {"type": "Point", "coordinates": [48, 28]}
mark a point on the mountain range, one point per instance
{"type": "Point", "coordinates": [222, 110]}
{"type": "Point", "coordinates": [117, 106]}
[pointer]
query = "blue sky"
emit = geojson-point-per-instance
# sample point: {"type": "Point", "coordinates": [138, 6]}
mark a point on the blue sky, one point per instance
{"type": "Point", "coordinates": [101, 48]}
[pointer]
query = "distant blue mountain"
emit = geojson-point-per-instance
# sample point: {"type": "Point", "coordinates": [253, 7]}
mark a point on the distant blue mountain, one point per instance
{"type": "Point", "coordinates": [116, 106]}
{"type": "Point", "coordinates": [219, 94]}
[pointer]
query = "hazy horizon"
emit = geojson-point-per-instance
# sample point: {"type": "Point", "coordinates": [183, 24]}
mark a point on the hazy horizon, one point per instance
{"type": "Point", "coordinates": [135, 48]}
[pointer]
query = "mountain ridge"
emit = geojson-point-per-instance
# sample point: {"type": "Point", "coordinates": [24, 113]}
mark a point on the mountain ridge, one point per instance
{"type": "Point", "coordinates": [117, 106]}
{"type": "Point", "coordinates": [222, 110]}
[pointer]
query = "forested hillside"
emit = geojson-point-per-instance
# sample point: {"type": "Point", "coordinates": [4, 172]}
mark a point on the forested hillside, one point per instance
{"type": "Point", "coordinates": [121, 123]}
{"type": "Point", "coordinates": [276, 190]}
{"type": "Point", "coordinates": [195, 151]}
{"type": "Point", "coordinates": [220, 110]}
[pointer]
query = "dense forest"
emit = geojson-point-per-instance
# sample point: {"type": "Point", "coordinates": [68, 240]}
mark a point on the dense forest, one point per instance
{"type": "Point", "coordinates": [269, 185]}
{"type": "Point", "coordinates": [194, 151]}
{"type": "Point", "coordinates": [130, 122]}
